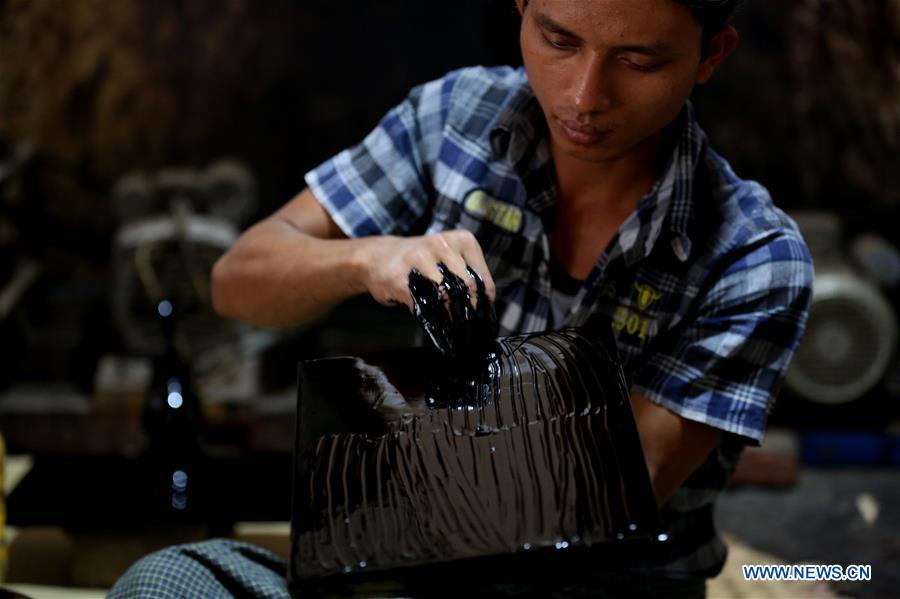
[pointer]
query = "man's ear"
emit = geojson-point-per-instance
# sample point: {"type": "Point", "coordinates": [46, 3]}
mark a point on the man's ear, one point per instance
{"type": "Point", "coordinates": [717, 49]}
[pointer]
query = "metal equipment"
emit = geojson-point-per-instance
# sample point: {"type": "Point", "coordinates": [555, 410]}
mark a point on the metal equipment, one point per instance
{"type": "Point", "coordinates": [851, 334]}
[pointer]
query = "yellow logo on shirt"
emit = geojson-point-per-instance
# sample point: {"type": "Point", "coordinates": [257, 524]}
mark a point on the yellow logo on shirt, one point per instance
{"type": "Point", "coordinates": [646, 295]}
{"type": "Point", "coordinates": [637, 322]}
{"type": "Point", "coordinates": [628, 320]}
{"type": "Point", "coordinates": [501, 214]}
{"type": "Point", "coordinates": [608, 289]}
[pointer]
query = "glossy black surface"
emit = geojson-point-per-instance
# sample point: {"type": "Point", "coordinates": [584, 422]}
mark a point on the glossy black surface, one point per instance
{"type": "Point", "coordinates": [404, 462]}
{"type": "Point", "coordinates": [461, 328]}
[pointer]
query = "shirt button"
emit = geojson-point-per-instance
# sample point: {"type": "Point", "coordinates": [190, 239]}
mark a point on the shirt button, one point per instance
{"type": "Point", "coordinates": [542, 269]}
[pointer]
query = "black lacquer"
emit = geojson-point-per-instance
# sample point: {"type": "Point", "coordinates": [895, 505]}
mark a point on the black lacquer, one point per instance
{"type": "Point", "coordinates": [405, 472]}
{"type": "Point", "coordinates": [461, 329]}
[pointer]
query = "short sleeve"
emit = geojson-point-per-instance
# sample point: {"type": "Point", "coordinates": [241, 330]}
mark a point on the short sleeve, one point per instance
{"type": "Point", "coordinates": [382, 185]}
{"type": "Point", "coordinates": [724, 364]}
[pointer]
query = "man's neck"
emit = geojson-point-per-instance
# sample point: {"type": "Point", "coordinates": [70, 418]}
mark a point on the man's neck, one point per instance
{"type": "Point", "coordinates": [615, 185]}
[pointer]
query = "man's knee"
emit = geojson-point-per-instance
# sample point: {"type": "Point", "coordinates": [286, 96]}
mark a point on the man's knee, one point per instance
{"type": "Point", "coordinates": [169, 572]}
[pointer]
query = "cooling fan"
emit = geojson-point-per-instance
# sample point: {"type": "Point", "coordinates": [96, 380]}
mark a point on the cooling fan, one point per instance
{"type": "Point", "coordinates": [851, 334]}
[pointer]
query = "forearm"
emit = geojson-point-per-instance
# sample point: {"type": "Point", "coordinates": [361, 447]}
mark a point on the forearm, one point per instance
{"type": "Point", "coordinates": [673, 447]}
{"type": "Point", "coordinates": [276, 275]}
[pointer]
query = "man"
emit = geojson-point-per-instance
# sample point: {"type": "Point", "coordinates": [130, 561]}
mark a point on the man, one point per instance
{"type": "Point", "coordinates": [582, 184]}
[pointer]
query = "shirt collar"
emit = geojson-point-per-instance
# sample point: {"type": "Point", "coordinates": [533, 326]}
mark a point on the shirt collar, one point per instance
{"type": "Point", "coordinates": [519, 136]}
{"type": "Point", "coordinates": [517, 126]}
{"type": "Point", "coordinates": [669, 205]}
{"type": "Point", "coordinates": [684, 164]}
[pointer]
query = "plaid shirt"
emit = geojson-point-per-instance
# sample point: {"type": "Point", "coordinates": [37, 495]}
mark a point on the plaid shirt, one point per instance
{"type": "Point", "coordinates": [707, 283]}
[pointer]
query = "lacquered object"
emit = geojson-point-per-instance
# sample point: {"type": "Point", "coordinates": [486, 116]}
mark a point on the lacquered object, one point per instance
{"type": "Point", "coordinates": [403, 464]}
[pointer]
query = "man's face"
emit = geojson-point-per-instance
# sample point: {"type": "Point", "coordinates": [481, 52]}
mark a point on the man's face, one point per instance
{"type": "Point", "coordinates": [610, 74]}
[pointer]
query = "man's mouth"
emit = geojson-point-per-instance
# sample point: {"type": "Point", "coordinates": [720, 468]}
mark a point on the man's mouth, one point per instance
{"type": "Point", "coordinates": [580, 134]}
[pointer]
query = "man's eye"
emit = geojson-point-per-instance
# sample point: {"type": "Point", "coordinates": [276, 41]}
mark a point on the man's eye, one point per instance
{"type": "Point", "coordinates": [643, 68]}
{"type": "Point", "coordinates": [559, 44]}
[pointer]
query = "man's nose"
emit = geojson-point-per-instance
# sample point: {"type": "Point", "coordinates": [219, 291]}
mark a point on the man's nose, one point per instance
{"type": "Point", "coordinates": [592, 87]}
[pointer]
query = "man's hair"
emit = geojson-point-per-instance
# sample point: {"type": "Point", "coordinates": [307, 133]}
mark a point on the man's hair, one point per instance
{"type": "Point", "coordinates": [713, 15]}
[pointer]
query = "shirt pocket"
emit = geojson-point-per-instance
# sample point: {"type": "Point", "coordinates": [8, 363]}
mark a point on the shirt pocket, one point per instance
{"type": "Point", "coordinates": [508, 254]}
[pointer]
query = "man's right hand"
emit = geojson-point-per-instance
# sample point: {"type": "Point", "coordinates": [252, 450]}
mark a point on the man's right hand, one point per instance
{"type": "Point", "coordinates": [387, 261]}
{"type": "Point", "coordinates": [296, 264]}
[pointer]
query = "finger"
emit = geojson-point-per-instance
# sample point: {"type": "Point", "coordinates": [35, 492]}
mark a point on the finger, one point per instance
{"type": "Point", "coordinates": [485, 310]}
{"type": "Point", "coordinates": [474, 257]}
{"type": "Point", "coordinates": [393, 297]}
{"type": "Point", "coordinates": [466, 245]}
{"type": "Point", "coordinates": [393, 289]}
{"type": "Point", "coordinates": [396, 303]}
{"type": "Point", "coordinates": [424, 279]}
{"type": "Point", "coordinates": [426, 263]}
{"type": "Point", "coordinates": [457, 265]}
{"type": "Point", "coordinates": [459, 298]}
{"type": "Point", "coordinates": [429, 310]}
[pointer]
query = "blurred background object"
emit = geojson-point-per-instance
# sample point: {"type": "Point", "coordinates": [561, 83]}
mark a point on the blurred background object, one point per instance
{"type": "Point", "coordinates": [851, 334]}
{"type": "Point", "coordinates": [173, 227]}
{"type": "Point", "coordinates": [164, 250]}
{"type": "Point", "coordinates": [18, 271]}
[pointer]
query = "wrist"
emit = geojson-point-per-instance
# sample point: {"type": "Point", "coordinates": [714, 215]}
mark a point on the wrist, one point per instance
{"type": "Point", "coordinates": [360, 264]}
